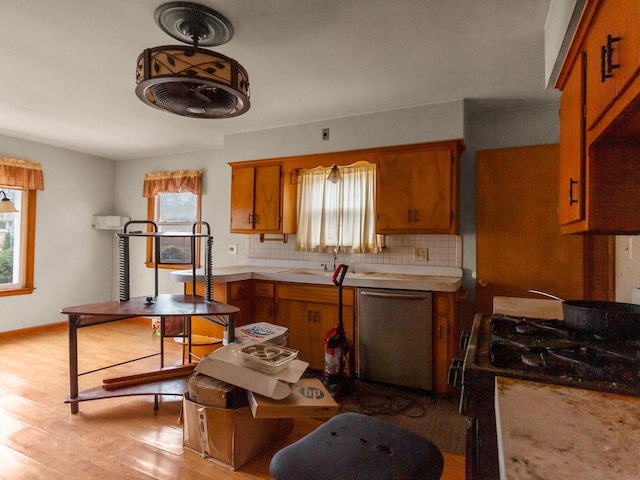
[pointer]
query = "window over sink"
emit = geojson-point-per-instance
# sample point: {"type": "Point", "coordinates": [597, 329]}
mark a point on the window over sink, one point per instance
{"type": "Point", "coordinates": [337, 215]}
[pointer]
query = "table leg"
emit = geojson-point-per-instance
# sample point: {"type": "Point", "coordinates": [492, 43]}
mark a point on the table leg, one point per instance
{"type": "Point", "coordinates": [231, 328]}
{"type": "Point", "coordinates": [73, 362]}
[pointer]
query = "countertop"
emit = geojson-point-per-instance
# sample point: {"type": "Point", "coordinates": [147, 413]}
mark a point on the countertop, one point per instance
{"type": "Point", "coordinates": [550, 431]}
{"type": "Point", "coordinates": [436, 279]}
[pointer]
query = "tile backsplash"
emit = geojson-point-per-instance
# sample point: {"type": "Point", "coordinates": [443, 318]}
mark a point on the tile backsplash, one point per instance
{"type": "Point", "coordinates": [443, 251]}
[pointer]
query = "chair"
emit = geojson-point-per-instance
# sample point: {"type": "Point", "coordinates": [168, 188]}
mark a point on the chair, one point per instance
{"type": "Point", "coordinates": [356, 446]}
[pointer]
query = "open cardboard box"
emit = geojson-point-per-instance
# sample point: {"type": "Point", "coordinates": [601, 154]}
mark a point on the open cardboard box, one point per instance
{"type": "Point", "coordinates": [229, 437]}
{"type": "Point", "coordinates": [308, 398]}
{"type": "Point", "coordinates": [225, 365]}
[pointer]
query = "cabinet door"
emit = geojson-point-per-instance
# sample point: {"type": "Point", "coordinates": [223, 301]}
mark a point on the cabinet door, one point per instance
{"type": "Point", "coordinates": [571, 206]}
{"type": "Point", "coordinates": [414, 193]}
{"type": "Point", "coordinates": [242, 181]}
{"type": "Point", "coordinates": [309, 321]}
{"type": "Point", "coordinates": [264, 302]}
{"type": "Point", "coordinates": [267, 199]}
{"type": "Point", "coordinates": [255, 199]}
{"type": "Point", "coordinates": [613, 51]}
{"type": "Point", "coordinates": [240, 294]}
{"type": "Point", "coordinates": [296, 316]}
{"type": "Point", "coordinates": [445, 337]}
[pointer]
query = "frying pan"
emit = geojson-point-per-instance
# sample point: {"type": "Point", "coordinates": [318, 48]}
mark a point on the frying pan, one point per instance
{"type": "Point", "coordinates": [603, 318]}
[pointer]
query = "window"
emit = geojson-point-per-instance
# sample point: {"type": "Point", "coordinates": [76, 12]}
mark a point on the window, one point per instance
{"type": "Point", "coordinates": [19, 180]}
{"type": "Point", "coordinates": [174, 200]}
{"type": "Point", "coordinates": [337, 215]}
{"type": "Point", "coordinates": [175, 212]}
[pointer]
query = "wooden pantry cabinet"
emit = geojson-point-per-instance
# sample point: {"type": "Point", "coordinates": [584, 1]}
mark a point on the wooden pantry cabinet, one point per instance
{"type": "Point", "coordinates": [256, 198]}
{"type": "Point", "coordinates": [418, 188]}
{"type": "Point", "coordinates": [600, 122]}
{"type": "Point", "coordinates": [309, 312]}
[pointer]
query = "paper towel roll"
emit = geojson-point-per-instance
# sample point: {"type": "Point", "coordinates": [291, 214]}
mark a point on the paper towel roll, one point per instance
{"type": "Point", "coordinates": [635, 295]}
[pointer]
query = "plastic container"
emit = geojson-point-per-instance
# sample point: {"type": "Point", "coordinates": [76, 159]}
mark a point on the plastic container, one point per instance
{"type": "Point", "coordinates": [266, 357]}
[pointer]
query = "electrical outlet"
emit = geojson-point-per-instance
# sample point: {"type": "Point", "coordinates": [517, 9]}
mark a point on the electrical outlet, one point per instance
{"type": "Point", "coordinates": [421, 254]}
{"type": "Point", "coordinates": [325, 134]}
{"type": "Point", "coordinates": [232, 249]}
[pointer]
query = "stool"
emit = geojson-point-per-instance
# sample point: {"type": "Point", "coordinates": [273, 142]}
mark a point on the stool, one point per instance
{"type": "Point", "coordinates": [356, 446]}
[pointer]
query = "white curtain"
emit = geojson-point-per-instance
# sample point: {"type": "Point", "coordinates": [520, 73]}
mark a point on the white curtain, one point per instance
{"type": "Point", "coordinates": [337, 214]}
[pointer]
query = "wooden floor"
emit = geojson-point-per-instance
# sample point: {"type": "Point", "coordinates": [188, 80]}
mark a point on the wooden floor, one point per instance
{"type": "Point", "coordinates": [120, 438]}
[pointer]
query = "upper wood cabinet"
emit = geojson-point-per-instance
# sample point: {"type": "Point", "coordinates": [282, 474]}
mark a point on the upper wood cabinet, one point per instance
{"type": "Point", "coordinates": [600, 122]}
{"type": "Point", "coordinates": [417, 188]}
{"type": "Point", "coordinates": [613, 54]}
{"type": "Point", "coordinates": [572, 146]}
{"type": "Point", "coordinates": [256, 198]}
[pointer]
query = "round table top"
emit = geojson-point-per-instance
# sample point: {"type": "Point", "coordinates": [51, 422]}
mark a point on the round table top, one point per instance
{"type": "Point", "coordinates": [162, 305]}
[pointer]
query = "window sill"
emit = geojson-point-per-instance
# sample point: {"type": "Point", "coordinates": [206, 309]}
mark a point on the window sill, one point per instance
{"type": "Point", "coordinates": [17, 291]}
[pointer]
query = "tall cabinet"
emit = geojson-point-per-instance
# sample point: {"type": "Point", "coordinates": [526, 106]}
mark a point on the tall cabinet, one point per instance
{"type": "Point", "coordinates": [600, 121]}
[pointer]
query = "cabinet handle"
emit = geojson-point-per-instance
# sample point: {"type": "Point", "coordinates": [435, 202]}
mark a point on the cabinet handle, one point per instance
{"type": "Point", "coordinates": [409, 215]}
{"type": "Point", "coordinates": [250, 219]}
{"type": "Point", "coordinates": [309, 312]}
{"type": "Point", "coordinates": [256, 218]}
{"type": "Point", "coordinates": [572, 183]}
{"type": "Point", "coordinates": [440, 332]}
{"type": "Point", "coordinates": [415, 215]}
{"type": "Point", "coordinates": [606, 58]}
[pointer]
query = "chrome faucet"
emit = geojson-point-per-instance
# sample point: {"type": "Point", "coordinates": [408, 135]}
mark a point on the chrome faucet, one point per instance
{"type": "Point", "coordinates": [335, 257]}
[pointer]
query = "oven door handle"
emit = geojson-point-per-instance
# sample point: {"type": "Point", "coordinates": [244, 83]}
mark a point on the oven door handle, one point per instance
{"type": "Point", "coordinates": [456, 370]}
{"type": "Point", "coordinates": [463, 342]}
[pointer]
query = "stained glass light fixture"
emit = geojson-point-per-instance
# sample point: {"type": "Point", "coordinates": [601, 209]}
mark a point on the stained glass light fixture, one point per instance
{"type": "Point", "coordinates": [188, 80]}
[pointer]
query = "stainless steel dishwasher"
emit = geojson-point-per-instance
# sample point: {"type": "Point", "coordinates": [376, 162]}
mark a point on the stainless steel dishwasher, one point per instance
{"type": "Point", "coordinates": [395, 337]}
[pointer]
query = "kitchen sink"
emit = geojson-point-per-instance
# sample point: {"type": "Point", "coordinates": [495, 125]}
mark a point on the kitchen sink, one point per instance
{"type": "Point", "coordinates": [308, 271]}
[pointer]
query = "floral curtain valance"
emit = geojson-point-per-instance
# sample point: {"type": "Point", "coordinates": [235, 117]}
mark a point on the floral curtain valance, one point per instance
{"type": "Point", "coordinates": [22, 174]}
{"type": "Point", "coordinates": [172, 182]}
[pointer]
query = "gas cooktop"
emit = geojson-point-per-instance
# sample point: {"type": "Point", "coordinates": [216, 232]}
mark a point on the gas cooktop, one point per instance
{"type": "Point", "coordinates": [546, 351]}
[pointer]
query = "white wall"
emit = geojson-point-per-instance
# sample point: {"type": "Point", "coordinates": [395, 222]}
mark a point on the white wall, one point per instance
{"type": "Point", "coordinates": [425, 123]}
{"type": "Point", "coordinates": [72, 261]}
{"type": "Point", "coordinates": [627, 267]}
{"type": "Point", "coordinates": [215, 210]}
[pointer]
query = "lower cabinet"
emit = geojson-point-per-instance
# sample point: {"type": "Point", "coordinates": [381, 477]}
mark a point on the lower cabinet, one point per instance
{"type": "Point", "coordinates": [264, 302]}
{"type": "Point", "coordinates": [445, 338]}
{"type": "Point", "coordinates": [309, 312]}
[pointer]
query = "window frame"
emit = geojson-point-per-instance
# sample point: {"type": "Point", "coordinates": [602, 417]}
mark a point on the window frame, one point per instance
{"type": "Point", "coordinates": [151, 215]}
{"type": "Point", "coordinates": [28, 256]}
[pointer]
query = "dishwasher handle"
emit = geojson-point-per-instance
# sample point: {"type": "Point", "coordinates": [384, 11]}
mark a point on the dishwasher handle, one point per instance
{"type": "Point", "coordinates": [399, 294]}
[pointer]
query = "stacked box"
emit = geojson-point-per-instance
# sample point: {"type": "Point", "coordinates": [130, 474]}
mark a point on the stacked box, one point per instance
{"type": "Point", "coordinates": [229, 436]}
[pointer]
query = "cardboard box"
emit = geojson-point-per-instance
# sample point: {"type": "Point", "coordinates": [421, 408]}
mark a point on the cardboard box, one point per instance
{"type": "Point", "coordinates": [229, 437]}
{"type": "Point", "coordinates": [308, 398]}
{"type": "Point", "coordinates": [212, 392]}
{"type": "Point", "coordinates": [225, 365]}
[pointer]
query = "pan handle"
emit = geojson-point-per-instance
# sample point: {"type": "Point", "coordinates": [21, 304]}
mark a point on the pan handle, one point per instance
{"type": "Point", "coordinates": [545, 294]}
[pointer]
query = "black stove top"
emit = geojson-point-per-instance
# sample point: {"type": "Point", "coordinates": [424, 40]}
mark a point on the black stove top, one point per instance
{"type": "Point", "coordinates": [545, 351]}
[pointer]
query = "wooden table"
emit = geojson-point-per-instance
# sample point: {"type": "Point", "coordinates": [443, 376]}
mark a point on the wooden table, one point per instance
{"type": "Point", "coordinates": [163, 306]}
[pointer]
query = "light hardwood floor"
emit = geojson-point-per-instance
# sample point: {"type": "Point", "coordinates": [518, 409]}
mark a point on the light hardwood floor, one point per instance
{"type": "Point", "coordinates": [120, 438]}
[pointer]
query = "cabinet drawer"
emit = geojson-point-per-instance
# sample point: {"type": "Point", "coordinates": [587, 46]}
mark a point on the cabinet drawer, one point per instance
{"type": "Point", "coordinates": [264, 289]}
{"type": "Point", "coordinates": [314, 293]}
{"type": "Point", "coordinates": [239, 290]}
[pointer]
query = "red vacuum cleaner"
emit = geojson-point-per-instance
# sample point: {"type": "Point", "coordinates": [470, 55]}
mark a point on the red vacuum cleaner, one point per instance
{"type": "Point", "coordinates": [336, 346]}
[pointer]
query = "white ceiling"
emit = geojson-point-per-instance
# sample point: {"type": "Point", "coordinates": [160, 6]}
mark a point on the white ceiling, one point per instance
{"type": "Point", "coordinates": [67, 67]}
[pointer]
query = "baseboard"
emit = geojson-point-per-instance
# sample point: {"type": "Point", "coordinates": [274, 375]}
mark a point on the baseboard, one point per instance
{"type": "Point", "coordinates": [50, 327]}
